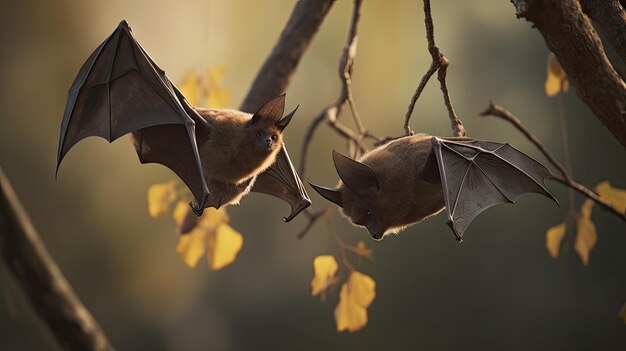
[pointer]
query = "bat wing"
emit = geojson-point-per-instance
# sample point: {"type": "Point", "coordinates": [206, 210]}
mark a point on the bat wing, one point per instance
{"type": "Point", "coordinates": [120, 90]}
{"type": "Point", "coordinates": [476, 175]}
{"type": "Point", "coordinates": [282, 181]}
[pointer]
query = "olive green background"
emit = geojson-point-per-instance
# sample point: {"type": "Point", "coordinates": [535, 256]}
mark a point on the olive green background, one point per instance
{"type": "Point", "coordinates": [499, 290]}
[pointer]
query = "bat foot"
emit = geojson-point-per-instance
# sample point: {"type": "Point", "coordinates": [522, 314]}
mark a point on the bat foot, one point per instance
{"type": "Point", "coordinates": [197, 210]}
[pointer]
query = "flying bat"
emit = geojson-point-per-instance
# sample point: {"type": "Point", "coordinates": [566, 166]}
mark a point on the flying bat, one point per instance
{"type": "Point", "coordinates": [412, 178]}
{"type": "Point", "coordinates": [221, 155]}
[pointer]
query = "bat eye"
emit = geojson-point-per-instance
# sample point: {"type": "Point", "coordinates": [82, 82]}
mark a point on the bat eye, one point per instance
{"type": "Point", "coordinates": [368, 213]}
{"type": "Point", "coordinates": [273, 137]}
{"type": "Point", "coordinates": [259, 134]}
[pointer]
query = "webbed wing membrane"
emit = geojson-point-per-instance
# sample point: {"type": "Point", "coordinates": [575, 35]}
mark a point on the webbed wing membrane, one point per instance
{"type": "Point", "coordinates": [282, 181]}
{"type": "Point", "coordinates": [476, 175]}
{"type": "Point", "coordinates": [120, 90]}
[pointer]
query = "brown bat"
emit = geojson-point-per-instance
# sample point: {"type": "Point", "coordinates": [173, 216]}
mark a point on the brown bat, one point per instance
{"type": "Point", "coordinates": [221, 155]}
{"type": "Point", "coordinates": [412, 178]}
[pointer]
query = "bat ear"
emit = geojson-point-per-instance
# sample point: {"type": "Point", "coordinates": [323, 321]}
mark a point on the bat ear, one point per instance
{"type": "Point", "coordinates": [331, 194]}
{"type": "Point", "coordinates": [270, 111]}
{"type": "Point", "coordinates": [285, 120]}
{"type": "Point", "coordinates": [357, 176]}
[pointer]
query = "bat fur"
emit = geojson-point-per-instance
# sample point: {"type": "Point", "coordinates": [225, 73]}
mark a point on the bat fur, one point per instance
{"type": "Point", "coordinates": [412, 178]}
{"type": "Point", "coordinates": [392, 209]}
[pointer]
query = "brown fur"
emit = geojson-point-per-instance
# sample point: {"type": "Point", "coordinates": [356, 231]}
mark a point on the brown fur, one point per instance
{"type": "Point", "coordinates": [234, 153]}
{"type": "Point", "coordinates": [404, 197]}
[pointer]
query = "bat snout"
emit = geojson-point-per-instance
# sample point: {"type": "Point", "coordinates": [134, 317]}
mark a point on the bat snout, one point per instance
{"type": "Point", "coordinates": [376, 234]}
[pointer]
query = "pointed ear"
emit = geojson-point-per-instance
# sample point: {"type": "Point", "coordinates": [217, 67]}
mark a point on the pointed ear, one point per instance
{"type": "Point", "coordinates": [270, 111]}
{"type": "Point", "coordinates": [357, 176]}
{"type": "Point", "coordinates": [331, 194]}
{"type": "Point", "coordinates": [285, 120]}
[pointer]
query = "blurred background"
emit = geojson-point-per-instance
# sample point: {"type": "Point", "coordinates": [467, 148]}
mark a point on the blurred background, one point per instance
{"type": "Point", "coordinates": [500, 289]}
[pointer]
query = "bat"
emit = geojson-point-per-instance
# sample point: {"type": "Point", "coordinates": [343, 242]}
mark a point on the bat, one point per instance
{"type": "Point", "coordinates": [220, 154]}
{"type": "Point", "coordinates": [412, 178]}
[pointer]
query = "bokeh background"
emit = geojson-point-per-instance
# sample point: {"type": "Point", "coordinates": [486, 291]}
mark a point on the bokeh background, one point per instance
{"type": "Point", "coordinates": [500, 289]}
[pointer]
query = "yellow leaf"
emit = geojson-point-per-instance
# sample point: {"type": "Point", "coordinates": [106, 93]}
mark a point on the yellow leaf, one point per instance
{"type": "Point", "coordinates": [586, 237]}
{"type": "Point", "coordinates": [585, 209]}
{"type": "Point", "coordinates": [554, 236]}
{"type": "Point", "coordinates": [615, 196]}
{"type": "Point", "coordinates": [355, 296]}
{"type": "Point", "coordinates": [211, 236]}
{"type": "Point", "coordinates": [324, 267]}
{"type": "Point", "coordinates": [190, 88]}
{"type": "Point", "coordinates": [622, 313]}
{"type": "Point", "coordinates": [556, 80]}
{"type": "Point", "coordinates": [160, 198]}
{"type": "Point", "coordinates": [192, 246]}
{"type": "Point", "coordinates": [362, 250]}
{"type": "Point", "coordinates": [184, 218]}
{"type": "Point", "coordinates": [225, 247]}
{"type": "Point", "coordinates": [216, 95]}
{"type": "Point", "coordinates": [212, 218]}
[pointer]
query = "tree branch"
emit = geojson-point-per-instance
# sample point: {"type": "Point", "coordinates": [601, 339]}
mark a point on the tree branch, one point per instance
{"type": "Point", "coordinates": [275, 74]}
{"type": "Point", "coordinates": [571, 37]}
{"type": "Point", "coordinates": [330, 113]}
{"type": "Point", "coordinates": [611, 17]}
{"type": "Point", "coordinates": [50, 294]}
{"type": "Point", "coordinates": [440, 64]}
{"type": "Point", "coordinates": [566, 179]}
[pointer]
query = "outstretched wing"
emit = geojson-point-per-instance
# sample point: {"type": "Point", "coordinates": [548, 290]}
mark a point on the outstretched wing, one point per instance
{"type": "Point", "coordinates": [282, 181]}
{"type": "Point", "coordinates": [120, 90]}
{"type": "Point", "coordinates": [476, 175]}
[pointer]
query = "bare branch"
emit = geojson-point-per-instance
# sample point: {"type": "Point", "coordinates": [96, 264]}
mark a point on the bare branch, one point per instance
{"type": "Point", "coordinates": [570, 35]}
{"type": "Point", "coordinates": [611, 17]}
{"type": "Point", "coordinates": [313, 217]}
{"type": "Point", "coordinates": [566, 179]}
{"type": "Point", "coordinates": [439, 63]}
{"type": "Point", "coordinates": [330, 113]}
{"type": "Point", "coordinates": [279, 66]}
{"type": "Point", "coordinates": [49, 292]}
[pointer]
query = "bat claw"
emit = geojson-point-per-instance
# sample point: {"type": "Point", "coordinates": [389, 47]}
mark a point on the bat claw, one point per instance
{"type": "Point", "coordinates": [198, 210]}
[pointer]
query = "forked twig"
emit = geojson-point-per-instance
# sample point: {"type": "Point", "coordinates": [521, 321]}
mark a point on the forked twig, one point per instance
{"type": "Point", "coordinates": [565, 179]}
{"type": "Point", "coordinates": [440, 65]}
{"type": "Point", "coordinates": [331, 112]}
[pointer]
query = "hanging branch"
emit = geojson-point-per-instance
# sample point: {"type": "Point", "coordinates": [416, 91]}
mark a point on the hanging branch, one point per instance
{"type": "Point", "coordinates": [50, 295]}
{"type": "Point", "coordinates": [331, 112]}
{"type": "Point", "coordinates": [275, 74]}
{"type": "Point", "coordinates": [440, 65]}
{"type": "Point", "coordinates": [565, 179]}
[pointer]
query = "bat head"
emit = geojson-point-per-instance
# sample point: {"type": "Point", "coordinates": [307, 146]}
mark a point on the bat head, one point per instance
{"type": "Point", "coordinates": [358, 195]}
{"type": "Point", "coordinates": [267, 124]}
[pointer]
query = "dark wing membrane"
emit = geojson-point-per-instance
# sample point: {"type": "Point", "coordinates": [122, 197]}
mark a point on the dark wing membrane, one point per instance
{"type": "Point", "coordinates": [282, 181]}
{"type": "Point", "coordinates": [169, 145]}
{"type": "Point", "coordinates": [120, 90]}
{"type": "Point", "coordinates": [477, 174]}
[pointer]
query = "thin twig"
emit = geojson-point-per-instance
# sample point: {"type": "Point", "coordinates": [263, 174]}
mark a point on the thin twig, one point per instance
{"type": "Point", "coordinates": [331, 112]}
{"type": "Point", "coordinates": [566, 179]}
{"type": "Point", "coordinates": [342, 249]}
{"type": "Point", "coordinates": [565, 143]}
{"type": "Point", "coordinates": [440, 65]}
{"type": "Point", "coordinates": [313, 217]}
